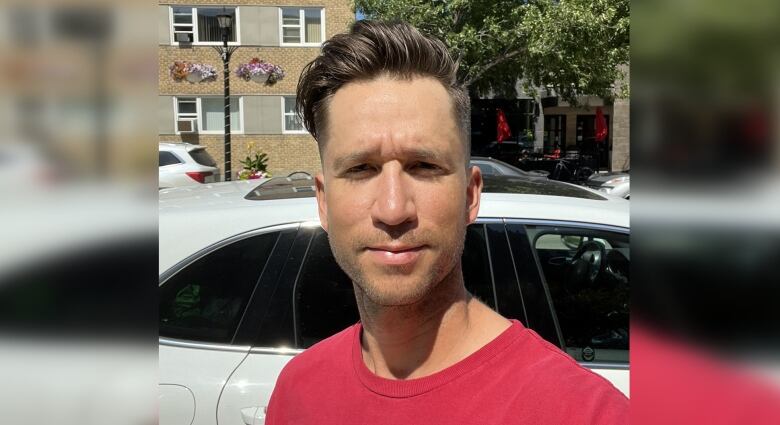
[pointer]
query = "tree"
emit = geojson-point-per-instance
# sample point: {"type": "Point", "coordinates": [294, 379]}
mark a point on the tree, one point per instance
{"type": "Point", "coordinates": [576, 47]}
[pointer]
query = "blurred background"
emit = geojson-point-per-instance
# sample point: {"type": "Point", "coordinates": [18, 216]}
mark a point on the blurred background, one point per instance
{"type": "Point", "coordinates": [78, 218]}
{"type": "Point", "coordinates": [78, 213]}
{"type": "Point", "coordinates": [705, 81]}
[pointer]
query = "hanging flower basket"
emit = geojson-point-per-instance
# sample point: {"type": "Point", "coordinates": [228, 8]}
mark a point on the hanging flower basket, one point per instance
{"type": "Point", "coordinates": [192, 72]}
{"type": "Point", "coordinates": [260, 71]}
{"type": "Point", "coordinates": [194, 78]}
{"type": "Point", "coordinates": [259, 78]}
{"type": "Point", "coordinates": [178, 70]}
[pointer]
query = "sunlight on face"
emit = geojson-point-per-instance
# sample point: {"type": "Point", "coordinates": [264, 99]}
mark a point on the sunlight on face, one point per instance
{"type": "Point", "coordinates": [396, 196]}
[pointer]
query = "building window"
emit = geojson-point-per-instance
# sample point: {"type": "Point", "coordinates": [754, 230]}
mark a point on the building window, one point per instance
{"type": "Point", "coordinates": [598, 152]}
{"type": "Point", "coordinates": [199, 24]}
{"type": "Point", "coordinates": [186, 115]}
{"type": "Point", "coordinates": [302, 26]}
{"type": "Point", "coordinates": [213, 114]}
{"type": "Point", "coordinates": [207, 115]}
{"type": "Point", "coordinates": [554, 132]}
{"type": "Point", "coordinates": [291, 120]}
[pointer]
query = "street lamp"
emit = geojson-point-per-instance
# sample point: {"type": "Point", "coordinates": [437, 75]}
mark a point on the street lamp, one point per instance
{"type": "Point", "coordinates": [225, 21]}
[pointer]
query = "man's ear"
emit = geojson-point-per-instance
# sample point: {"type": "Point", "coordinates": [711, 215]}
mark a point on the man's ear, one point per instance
{"type": "Point", "coordinates": [473, 192]}
{"type": "Point", "coordinates": [322, 204]}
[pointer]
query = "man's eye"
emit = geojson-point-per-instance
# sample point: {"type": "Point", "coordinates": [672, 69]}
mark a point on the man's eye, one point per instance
{"type": "Point", "coordinates": [425, 166]}
{"type": "Point", "coordinates": [359, 169]}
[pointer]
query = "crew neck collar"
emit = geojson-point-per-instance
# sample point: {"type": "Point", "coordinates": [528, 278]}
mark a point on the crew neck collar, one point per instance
{"type": "Point", "coordinates": [402, 388]}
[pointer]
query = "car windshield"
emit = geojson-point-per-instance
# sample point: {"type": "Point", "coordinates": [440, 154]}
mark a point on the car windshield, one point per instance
{"type": "Point", "coordinates": [203, 158]}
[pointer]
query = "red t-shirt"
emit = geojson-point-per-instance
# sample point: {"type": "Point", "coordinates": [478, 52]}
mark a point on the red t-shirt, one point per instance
{"type": "Point", "coordinates": [518, 378]}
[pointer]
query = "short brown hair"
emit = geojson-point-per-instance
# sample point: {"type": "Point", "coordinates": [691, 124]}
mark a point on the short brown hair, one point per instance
{"type": "Point", "coordinates": [371, 49]}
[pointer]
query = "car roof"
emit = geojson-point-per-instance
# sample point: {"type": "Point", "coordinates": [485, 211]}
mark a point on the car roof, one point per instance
{"type": "Point", "coordinates": [193, 218]}
{"type": "Point", "coordinates": [179, 145]}
{"type": "Point", "coordinates": [529, 185]}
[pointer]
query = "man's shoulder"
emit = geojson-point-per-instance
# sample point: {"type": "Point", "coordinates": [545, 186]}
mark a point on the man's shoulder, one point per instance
{"type": "Point", "coordinates": [331, 352]}
{"type": "Point", "coordinates": [557, 378]}
{"type": "Point", "coordinates": [545, 385]}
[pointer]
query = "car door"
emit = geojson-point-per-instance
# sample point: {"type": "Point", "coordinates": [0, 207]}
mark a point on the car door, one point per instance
{"type": "Point", "coordinates": [268, 330]}
{"type": "Point", "coordinates": [574, 280]}
{"type": "Point", "coordinates": [168, 165]}
{"type": "Point", "coordinates": [202, 303]}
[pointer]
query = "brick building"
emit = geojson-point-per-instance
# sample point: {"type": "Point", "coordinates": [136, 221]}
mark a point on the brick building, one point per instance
{"type": "Point", "coordinates": [288, 35]}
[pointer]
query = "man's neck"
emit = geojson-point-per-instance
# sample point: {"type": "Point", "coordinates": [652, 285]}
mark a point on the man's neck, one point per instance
{"type": "Point", "coordinates": [420, 339]}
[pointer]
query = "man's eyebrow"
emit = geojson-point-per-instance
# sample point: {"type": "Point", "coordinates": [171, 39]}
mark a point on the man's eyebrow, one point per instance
{"type": "Point", "coordinates": [425, 155]}
{"type": "Point", "coordinates": [417, 154]}
{"type": "Point", "coordinates": [352, 158]}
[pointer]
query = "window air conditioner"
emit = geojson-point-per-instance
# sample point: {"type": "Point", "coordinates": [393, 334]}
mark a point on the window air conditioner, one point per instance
{"type": "Point", "coordinates": [183, 37]}
{"type": "Point", "coordinates": [187, 125]}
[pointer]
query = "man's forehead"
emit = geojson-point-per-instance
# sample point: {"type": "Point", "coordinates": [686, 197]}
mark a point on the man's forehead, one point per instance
{"type": "Point", "coordinates": [385, 115]}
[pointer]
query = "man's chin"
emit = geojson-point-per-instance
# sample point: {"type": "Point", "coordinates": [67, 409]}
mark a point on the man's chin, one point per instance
{"type": "Point", "coordinates": [396, 291]}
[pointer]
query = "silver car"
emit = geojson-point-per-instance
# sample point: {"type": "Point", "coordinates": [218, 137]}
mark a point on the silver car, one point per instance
{"type": "Point", "coordinates": [615, 184]}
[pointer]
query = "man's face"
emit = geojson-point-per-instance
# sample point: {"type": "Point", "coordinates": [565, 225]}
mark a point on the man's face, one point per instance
{"type": "Point", "coordinates": [395, 196]}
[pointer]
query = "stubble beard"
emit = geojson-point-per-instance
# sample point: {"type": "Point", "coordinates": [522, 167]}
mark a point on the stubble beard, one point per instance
{"type": "Point", "coordinates": [400, 290]}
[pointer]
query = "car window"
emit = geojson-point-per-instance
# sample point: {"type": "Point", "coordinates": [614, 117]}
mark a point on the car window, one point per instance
{"type": "Point", "coordinates": [167, 158]}
{"type": "Point", "coordinates": [508, 296]}
{"type": "Point", "coordinates": [535, 297]}
{"type": "Point", "coordinates": [205, 300]}
{"type": "Point", "coordinates": [587, 274]}
{"type": "Point", "coordinates": [487, 169]}
{"type": "Point", "coordinates": [324, 296]}
{"type": "Point", "coordinates": [476, 265]}
{"type": "Point", "coordinates": [202, 157]}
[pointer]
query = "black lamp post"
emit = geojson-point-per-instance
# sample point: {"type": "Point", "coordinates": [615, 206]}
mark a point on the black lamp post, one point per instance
{"type": "Point", "coordinates": [225, 21]}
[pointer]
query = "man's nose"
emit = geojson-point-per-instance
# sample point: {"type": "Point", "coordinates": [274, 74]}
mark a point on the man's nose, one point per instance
{"type": "Point", "coordinates": [394, 200]}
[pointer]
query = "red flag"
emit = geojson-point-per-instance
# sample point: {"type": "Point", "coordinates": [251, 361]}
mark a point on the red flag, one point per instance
{"type": "Point", "coordinates": [503, 131]}
{"type": "Point", "coordinates": [601, 125]}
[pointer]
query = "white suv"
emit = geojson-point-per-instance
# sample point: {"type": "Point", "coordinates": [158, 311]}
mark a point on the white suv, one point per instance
{"type": "Point", "coordinates": [185, 164]}
{"type": "Point", "coordinates": [248, 280]}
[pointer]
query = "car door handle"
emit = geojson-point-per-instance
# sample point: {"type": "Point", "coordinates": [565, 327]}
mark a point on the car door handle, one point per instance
{"type": "Point", "coordinates": [253, 415]}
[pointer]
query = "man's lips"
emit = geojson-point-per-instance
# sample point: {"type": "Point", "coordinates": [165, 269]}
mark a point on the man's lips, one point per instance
{"type": "Point", "coordinates": [395, 255]}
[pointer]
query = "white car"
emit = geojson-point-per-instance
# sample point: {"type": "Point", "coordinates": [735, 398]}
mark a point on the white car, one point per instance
{"type": "Point", "coordinates": [615, 184]}
{"type": "Point", "coordinates": [185, 164]}
{"type": "Point", "coordinates": [247, 281]}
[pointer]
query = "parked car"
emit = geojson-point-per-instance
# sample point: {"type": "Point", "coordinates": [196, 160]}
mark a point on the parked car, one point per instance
{"type": "Point", "coordinates": [615, 184]}
{"type": "Point", "coordinates": [509, 147]}
{"type": "Point", "coordinates": [493, 167]}
{"type": "Point", "coordinates": [185, 164]}
{"type": "Point", "coordinates": [248, 280]}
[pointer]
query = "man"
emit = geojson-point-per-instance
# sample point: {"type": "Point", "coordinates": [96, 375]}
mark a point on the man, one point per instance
{"type": "Point", "coordinates": [395, 197]}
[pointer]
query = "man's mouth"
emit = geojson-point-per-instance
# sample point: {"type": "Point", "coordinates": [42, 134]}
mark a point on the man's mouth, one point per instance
{"type": "Point", "coordinates": [395, 255]}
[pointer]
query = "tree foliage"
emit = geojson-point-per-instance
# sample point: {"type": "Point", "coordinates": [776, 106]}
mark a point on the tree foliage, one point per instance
{"type": "Point", "coordinates": [575, 47]}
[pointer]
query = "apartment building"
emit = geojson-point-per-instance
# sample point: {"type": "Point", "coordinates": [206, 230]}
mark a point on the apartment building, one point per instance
{"type": "Point", "coordinates": [287, 34]}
